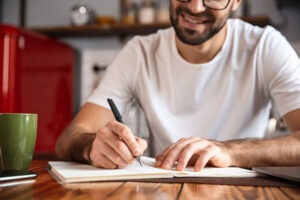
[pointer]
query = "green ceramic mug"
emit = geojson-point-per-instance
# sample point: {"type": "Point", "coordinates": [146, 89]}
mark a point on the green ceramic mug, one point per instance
{"type": "Point", "coordinates": [17, 140]}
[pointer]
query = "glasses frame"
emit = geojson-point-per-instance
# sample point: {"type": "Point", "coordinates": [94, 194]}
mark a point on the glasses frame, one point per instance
{"type": "Point", "coordinates": [204, 4]}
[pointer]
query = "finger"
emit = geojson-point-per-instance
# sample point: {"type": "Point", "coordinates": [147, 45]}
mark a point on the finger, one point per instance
{"type": "Point", "coordinates": [174, 153]}
{"type": "Point", "coordinates": [158, 160]}
{"type": "Point", "coordinates": [117, 145]}
{"type": "Point", "coordinates": [189, 150]}
{"type": "Point", "coordinates": [204, 156]}
{"type": "Point", "coordinates": [113, 156]}
{"type": "Point", "coordinates": [161, 157]}
{"type": "Point", "coordinates": [143, 145]}
{"type": "Point", "coordinates": [126, 135]}
{"type": "Point", "coordinates": [100, 160]}
{"type": "Point", "coordinates": [121, 148]}
{"type": "Point", "coordinates": [169, 148]}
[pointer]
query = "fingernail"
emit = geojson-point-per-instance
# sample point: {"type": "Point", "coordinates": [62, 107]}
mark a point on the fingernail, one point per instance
{"type": "Point", "coordinates": [166, 165]}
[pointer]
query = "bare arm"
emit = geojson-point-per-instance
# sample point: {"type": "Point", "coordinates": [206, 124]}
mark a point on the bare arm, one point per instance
{"type": "Point", "coordinates": [284, 150]}
{"type": "Point", "coordinates": [75, 140]}
{"type": "Point", "coordinates": [95, 137]}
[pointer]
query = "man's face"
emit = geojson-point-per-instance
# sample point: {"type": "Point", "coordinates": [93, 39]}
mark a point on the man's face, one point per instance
{"type": "Point", "coordinates": [194, 24]}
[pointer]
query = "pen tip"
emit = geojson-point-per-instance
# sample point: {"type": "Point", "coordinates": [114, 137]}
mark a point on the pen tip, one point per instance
{"type": "Point", "coordinates": [139, 160]}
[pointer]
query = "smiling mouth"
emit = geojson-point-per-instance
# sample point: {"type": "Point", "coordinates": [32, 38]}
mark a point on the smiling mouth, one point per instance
{"type": "Point", "coordinates": [195, 20]}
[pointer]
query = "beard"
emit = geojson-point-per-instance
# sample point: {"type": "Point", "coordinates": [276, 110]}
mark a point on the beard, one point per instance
{"type": "Point", "coordinates": [190, 36]}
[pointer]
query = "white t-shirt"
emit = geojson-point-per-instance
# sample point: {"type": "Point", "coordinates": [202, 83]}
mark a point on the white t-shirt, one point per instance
{"type": "Point", "coordinates": [227, 98]}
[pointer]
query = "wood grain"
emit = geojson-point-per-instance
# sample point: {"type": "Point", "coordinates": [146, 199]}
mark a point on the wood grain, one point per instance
{"type": "Point", "coordinates": [143, 191]}
{"type": "Point", "coordinates": [293, 193]}
{"type": "Point", "coordinates": [45, 187]}
{"type": "Point", "coordinates": [202, 191]}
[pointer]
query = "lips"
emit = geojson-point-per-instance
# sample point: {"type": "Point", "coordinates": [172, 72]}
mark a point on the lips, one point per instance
{"type": "Point", "coordinates": [195, 20]}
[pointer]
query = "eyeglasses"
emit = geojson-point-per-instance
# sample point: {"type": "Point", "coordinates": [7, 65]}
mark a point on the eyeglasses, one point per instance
{"type": "Point", "coordinates": [212, 4]}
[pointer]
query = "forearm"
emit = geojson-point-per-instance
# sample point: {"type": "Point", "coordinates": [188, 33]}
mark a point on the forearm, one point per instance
{"type": "Point", "coordinates": [279, 151]}
{"type": "Point", "coordinates": [75, 144]}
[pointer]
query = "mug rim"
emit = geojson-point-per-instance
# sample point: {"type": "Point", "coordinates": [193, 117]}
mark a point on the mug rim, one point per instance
{"type": "Point", "coordinates": [18, 114]}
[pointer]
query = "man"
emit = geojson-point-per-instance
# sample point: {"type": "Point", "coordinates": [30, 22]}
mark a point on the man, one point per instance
{"type": "Point", "coordinates": [205, 85]}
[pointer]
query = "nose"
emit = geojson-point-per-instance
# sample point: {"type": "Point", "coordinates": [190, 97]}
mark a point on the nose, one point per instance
{"type": "Point", "coordinates": [196, 6]}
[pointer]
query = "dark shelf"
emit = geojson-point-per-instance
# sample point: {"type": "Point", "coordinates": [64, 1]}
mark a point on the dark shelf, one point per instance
{"type": "Point", "coordinates": [121, 29]}
{"type": "Point", "coordinates": [101, 30]}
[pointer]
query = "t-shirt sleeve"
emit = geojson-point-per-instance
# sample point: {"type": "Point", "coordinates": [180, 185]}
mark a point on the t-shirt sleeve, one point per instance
{"type": "Point", "coordinates": [118, 82]}
{"type": "Point", "coordinates": [281, 69]}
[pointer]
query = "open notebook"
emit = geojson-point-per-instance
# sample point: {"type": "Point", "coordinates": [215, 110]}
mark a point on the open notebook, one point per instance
{"type": "Point", "coordinates": [71, 172]}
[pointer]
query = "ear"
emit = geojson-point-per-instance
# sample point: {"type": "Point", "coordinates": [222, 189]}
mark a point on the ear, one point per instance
{"type": "Point", "coordinates": [236, 4]}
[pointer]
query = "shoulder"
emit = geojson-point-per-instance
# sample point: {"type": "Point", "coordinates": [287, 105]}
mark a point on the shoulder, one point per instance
{"type": "Point", "coordinates": [251, 35]}
{"type": "Point", "coordinates": [240, 26]}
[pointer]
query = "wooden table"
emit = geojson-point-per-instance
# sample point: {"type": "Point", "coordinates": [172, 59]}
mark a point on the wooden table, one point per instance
{"type": "Point", "coordinates": [45, 187]}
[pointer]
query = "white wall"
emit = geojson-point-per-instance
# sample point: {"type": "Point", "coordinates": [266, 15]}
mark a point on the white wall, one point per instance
{"type": "Point", "coordinates": [286, 20]}
{"type": "Point", "coordinates": [10, 10]}
{"type": "Point", "coordinates": [56, 13]}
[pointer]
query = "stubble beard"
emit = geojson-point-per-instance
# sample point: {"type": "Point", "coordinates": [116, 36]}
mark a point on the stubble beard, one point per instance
{"type": "Point", "coordinates": [192, 37]}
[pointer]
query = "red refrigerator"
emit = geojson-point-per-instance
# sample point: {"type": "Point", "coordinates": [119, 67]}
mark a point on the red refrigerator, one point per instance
{"type": "Point", "coordinates": [36, 76]}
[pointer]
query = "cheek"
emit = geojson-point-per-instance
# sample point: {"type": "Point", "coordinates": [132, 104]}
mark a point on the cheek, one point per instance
{"type": "Point", "coordinates": [236, 4]}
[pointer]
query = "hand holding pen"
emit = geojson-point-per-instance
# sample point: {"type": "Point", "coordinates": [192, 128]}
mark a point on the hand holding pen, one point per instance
{"type": "Point", "coordinates": [118, 117]}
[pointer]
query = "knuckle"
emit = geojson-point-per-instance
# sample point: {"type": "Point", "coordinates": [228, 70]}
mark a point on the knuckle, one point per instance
{"type": "Point", "coordinates": [124, 130]}
{"type": "Point", "coordinates": [206, 151]}
{"type": "Point", "coordinates": [211, 148]}
{"type": "Point", "coordinates": [177, 146]}
{"type": "Point", "coordinates": [181, 139]}
{"type": "Point", "coordinates": [110, 124]}
{"type": "Point", "coordinates": [132, 145]}
{"type": "Point", "coordinates": [102, 133]}
{"type": "Point", "coordinates": [118, 160]}
{"type": "Point", "coordinates": [101, 130]}
{"type": "Point", "coordinates": [191, 138]}
{"type": "Point", "coordinates": [119, 145]}
{"type": "Point", "coordinates": [189, 147]}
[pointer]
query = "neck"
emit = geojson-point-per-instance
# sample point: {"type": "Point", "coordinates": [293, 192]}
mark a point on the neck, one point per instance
{"type": "Point", "coordinates": [204, 52]}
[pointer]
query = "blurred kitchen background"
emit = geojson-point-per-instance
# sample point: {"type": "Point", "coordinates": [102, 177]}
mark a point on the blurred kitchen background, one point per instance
{"type": "Point", "coordinates": [96, 30]}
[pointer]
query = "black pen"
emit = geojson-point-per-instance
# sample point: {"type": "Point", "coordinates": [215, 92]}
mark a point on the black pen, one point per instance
{"type": "Point", "coordinates": [118, 117]}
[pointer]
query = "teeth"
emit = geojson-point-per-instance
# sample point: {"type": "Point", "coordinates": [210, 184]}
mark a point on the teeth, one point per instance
{"type": "Point", "coordinates": [193, 21]}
